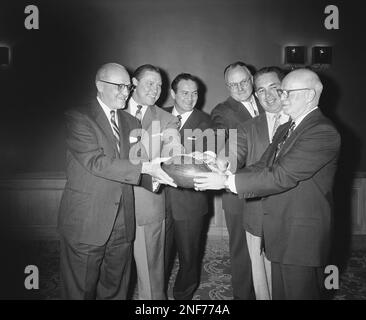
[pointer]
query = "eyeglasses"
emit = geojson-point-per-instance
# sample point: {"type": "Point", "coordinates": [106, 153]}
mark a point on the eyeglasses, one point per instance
{"type": "Point", "coordinates": [286, 93]}
{"type": "Point", "coordinates": [121, 86]}
{"type": "Point", "coordinates": [238, 85]}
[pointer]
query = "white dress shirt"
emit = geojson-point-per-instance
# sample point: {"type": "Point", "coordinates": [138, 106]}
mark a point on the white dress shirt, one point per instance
{"type": "Point", "coordinates": [251, 106]}
{"type": "Point", "coordinates": [271, 118]}
{"type": "Point", "coordinates": [107, 112]}
{"type": "Point", "coordinates": [132, 108]}
{"type": "Point", "coordinates": [184, 116]}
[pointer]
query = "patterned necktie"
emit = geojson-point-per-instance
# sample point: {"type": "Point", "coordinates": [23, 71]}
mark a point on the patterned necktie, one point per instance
{"type": "Point", "coordinates": [138, 114]}
{"type": "Point", "coordinates": [179, 121]}
{"type": "Point", "coordinates": [115, 128]}
{"type": "Point", "coordinates": [285, 137]}
{"type": "Point", "coordinates": [277, 122]}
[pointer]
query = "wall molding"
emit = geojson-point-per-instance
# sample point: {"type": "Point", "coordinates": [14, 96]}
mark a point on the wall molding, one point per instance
{"type": "Point", "coordinates": [29, 204]}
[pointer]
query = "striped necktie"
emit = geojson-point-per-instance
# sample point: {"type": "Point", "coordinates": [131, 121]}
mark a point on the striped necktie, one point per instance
{"type": "Point", "coordinates": [138, 113]}
{"type": "Point", "coordinates": [290, 130]}
{"type": "Point", "coordinates": [115, 128]}
{"type": "Point", "coordinates": [179, 121]}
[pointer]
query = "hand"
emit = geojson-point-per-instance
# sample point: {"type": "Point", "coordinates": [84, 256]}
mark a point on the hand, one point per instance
{"type": "Point", "coordinates": [222, 164]}
{"type": "Point", "coordinates": [209, 181]}
{"type": "Point", "coordinates": [154, 169]}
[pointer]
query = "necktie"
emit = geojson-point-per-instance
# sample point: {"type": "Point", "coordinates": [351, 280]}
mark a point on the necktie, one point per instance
{"type": "Point", "coordinates": [138, 114]}
{"type": "Point", "coordinates": [115, 128]}
{"type": "Point", "coordinates": [277, 122]}
{"type": "Point", "coordinates": [251, 107]}
{"type": "Point", "coordinates": [285, 137]}
{"type": "Point", "coordinates": [179, 121]}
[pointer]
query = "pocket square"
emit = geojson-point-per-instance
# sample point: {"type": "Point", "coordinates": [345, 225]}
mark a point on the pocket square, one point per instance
{"type": "Point", "coordinates": [133, 139]}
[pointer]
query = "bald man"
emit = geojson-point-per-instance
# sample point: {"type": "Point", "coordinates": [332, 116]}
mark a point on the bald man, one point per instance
{"type": "Point", "coordinates": [295, 177]}
{"type": "Point", "coordinates": [96, 219]}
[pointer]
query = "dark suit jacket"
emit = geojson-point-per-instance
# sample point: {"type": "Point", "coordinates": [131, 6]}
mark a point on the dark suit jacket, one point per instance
{"type": "Point", "coordinates": [98, 178]}
{"type": "Point", "coordinates": [187, 203]}
{"type": "Point", "coordinates": [297, 212]}
{"type": "Point", "coordinates": [229, 115]}
{"type": "Point", "coordinates": [252, 141]}
{"type": "Point", "coordinates": [150, 206]}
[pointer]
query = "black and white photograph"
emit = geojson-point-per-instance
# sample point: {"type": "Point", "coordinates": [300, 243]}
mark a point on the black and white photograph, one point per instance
{"type": "Point", "coordinates": [165, 150]}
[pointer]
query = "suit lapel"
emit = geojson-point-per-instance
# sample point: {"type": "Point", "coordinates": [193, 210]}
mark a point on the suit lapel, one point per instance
{"type": "Point", "coordinates": [238, 107]}
{"type": "Point", "coordinates": [103, 123]}
{"type": "Point", "coordinates": [192, 121]}
{"type": "Point", "coordinates": [262, 129]}
{"type": "Point", "coordinates": [259, 106]}
{"type": "Point", "coordinates": [149, 117]}
{"type": "Point", "coordinates": [124, 133]}
{"type": "Point", "coordinates": [302, 126]}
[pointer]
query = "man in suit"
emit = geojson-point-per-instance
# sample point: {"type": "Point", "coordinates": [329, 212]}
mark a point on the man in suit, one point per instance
{"type": "Point", "coordinates": [253, 138]}
{"type": "Point", "coordinates": [186, 208]}
{"type": "Point", "coordinates": [96, 218]}
{"type": "Point", "coordinates": [241, 106]}
{"type": "Point", "coordinates": [160, 138]}
{"type": "Point", "coordinates": [295, 177]}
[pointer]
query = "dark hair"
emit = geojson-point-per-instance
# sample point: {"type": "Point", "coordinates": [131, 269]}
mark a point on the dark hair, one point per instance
{"type": "Point", "coordinates": [182, 76]}
{"type": "Point", "coordinates": [236, 64]}
{"type": "Point", "coordinates": [142, 69]}
{"type": "Point", "coordinates": [279, 72]}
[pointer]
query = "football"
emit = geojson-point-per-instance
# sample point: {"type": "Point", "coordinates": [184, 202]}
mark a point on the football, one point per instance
{"type": "Point", "coordinates": [182, 169]}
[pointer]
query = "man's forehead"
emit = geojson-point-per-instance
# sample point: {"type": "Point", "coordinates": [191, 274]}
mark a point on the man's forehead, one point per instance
{"type": "Point", "coordinates": [238, 71]}
{"type": "Point", "coordinates": [267, 79]}
{"type": "Point", "coordinates": [151, 75]}
{"type": "Point", "coordinates": [290, 82]}
{"type": "Point", "coordinates": [186, 85]}
{"type": "Point", "coordinates": [118, 74]}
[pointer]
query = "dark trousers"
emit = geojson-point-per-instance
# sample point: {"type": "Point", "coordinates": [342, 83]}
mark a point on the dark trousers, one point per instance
{"type": "Point", "coordinates": [187, 237]}
{"type": "Point", "coordinates": [297, 282]}
{"type": "Point", "coordinates": [96, 272]}
{"type": "Point", "coordinates": [241, 268]}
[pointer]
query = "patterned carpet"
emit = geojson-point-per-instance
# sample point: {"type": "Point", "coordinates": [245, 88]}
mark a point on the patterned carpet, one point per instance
{"type": "Point", "coordinates": [215, 275]}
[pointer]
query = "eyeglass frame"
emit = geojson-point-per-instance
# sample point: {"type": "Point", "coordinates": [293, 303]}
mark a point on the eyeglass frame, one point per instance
{"type": "Point", "coordinates": [236, 85]}
{"type": "Point", "coordinates": [120, 86]}
{"type": "Point", "coordinates": [286, 93]}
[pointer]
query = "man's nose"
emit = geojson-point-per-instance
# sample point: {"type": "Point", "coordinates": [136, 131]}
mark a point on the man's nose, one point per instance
{"type": "Point", "coordinates": [154, 89]}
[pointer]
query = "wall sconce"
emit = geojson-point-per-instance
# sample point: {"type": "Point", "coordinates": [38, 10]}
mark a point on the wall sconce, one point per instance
{"type": "Point", "coordinates": [295, 55]}
{"type": "Point", "coordinates": [321, 55]}
{"type": "Point", "coordinates": [4, 56]}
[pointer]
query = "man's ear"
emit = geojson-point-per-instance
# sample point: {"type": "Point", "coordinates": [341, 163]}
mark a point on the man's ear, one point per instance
{"type": "Point", "coordinates": [135, 82]}
{"type": "Point", "coordinates": [172, 93]}
{"type": "Point", "coordinates": [256, 94]}
{"type": "Point", "coordinates": [311, 95]}
{"type": "Point", "coordinates": [99, 86]}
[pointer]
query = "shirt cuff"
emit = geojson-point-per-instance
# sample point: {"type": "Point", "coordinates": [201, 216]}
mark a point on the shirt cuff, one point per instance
{"type": "Point", "coordinates": [155, 185]}
{"type": "Point", "coordinates": [231, 183]}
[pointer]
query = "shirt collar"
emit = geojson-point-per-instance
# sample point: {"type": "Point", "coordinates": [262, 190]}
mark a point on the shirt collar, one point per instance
{"type": "Point", "coordinates": [106, 109]}
{"type": "Point", "coordinates": [299, 119]}
{"type": "Point", "coordinates": [133, 107]}
{"type": "Point", "coordinates": [184, 115]}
